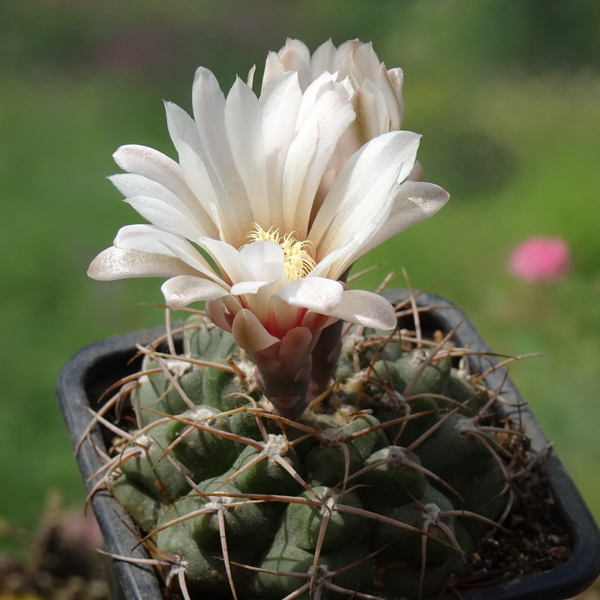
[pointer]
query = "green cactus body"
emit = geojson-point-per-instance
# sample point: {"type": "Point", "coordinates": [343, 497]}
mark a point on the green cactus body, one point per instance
{"type": "Point", "coordinates": [339, 501]}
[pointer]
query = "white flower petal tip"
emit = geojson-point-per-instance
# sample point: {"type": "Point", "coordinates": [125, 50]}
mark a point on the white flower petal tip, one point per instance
{"type": "Point", "coordinates": [186, 289]}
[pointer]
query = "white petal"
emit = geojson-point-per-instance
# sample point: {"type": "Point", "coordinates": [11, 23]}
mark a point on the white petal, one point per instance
{"type": "Point", "coordinates": [344, 59]}
{"type": "Point", "coordinates": [144, 238]}
{"type": "Point", "coordinates": [244, 126]}
{"type": "Point", "coordinates": [336, 262]}
{"type": "Point", "coordinates": [273, 68]}
{"type": "Point", "coordinates": [363, 188]}
{"type": "Point", "coordinates": [215, 153]}
{"type": "Point", "coordinates": [196, 176]}
{"type": "Point", "coordinates": [414, 202]}
{"type": "Point", "coordinates": [280, 100]}
{"type": "Point", "coordinates": [417, 173]}
{"type": "Point", "coordinates": [263, 274]}
{"type": "Point", "coordinates": [366, 60]}
{"type": "Point", "coordinates": [308, 157]}
{"type": "Point", "coordinates": [262, 261]}
{"type": "Point", "coordinates": [396, 77]}
{"type": "Point", "coordinates": [226, 257]}
{"type": "Point", "coordinates": [215, 310]}
{"type": "Point", "coordinates": [116, 263]}
{"type": "Point", "coordinates": [381, 116]}
{"type": "Point", "coordinates": [248, 287]}
{"type": "Point", "coordinates": [390, 83]}
{"type": "Point", "coordinates": [250, 78]}
{"type": "Point", "coordinates": [326, 82]}
{"type": "Point", "coordinates": [133, 186]}
{"type": "Point", "coordinates": [315, 293]}
{"type": "Point", "coordinates": [185, 289]}
{"type": "Point", "coordinates": [182, 128]}
{"type": "Point", "coordinates": [249, 332]}
{"type": "Point", "coordinates": [368, 121]}
{"type": "Point", "coordinates": [295, 56]}
{"type": "Point", "coordinates": [153, 240]}
{"type": "Point", "coordinates": [203, 168]}
{"type": "Point", "coordinates": [365, 308]}
{"type": "Point", "coordinates": [159, 168]}
{"type": "Point", "coordinates": [209, 114]}
{"type": "Point", "coordinates": [323, 60]}
{"type": "Point", "coordinates": [164, 215]}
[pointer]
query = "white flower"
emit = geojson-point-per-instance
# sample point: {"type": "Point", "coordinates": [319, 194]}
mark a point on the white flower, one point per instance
{"type": "Point", "coordinates": [242, 195]}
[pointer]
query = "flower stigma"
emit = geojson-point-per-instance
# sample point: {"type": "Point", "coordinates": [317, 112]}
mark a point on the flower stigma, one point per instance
{"type": "Point", "coordinates": [297, 260]}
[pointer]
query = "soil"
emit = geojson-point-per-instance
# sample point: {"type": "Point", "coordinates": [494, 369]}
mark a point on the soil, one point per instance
{"type": "Point", "coordinates": [538, 540]}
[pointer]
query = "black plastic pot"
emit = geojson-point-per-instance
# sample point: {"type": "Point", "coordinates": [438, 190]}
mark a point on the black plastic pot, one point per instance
{"type": "Point", "coordinates": [92, 370]}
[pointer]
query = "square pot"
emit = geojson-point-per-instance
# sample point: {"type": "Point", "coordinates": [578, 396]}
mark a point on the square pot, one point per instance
{"type": "Point", "coordinates": [92, 370]}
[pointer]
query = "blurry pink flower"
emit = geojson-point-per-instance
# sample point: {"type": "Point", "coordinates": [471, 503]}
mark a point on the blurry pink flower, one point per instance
{"type": "Point", "coordinates": [541, 260]}
{"type": "Point", "coordinates": [81, 531]}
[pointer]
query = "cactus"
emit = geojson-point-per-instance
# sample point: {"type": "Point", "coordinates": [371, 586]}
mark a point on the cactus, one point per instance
{"type": "Point", "coordinates": [382, 489]}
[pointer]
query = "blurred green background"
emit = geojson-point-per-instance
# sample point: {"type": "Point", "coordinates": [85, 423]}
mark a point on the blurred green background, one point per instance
{"type": "Point", "coordinates": [507, 95]}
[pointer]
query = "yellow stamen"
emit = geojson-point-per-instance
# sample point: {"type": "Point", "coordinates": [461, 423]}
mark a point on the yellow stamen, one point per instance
{"type": "Point", "coordinates": [297, 260]}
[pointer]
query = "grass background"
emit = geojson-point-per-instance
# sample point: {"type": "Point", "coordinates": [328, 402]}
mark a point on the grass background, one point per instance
{"type": "Point", "coordinates": [506, 95]}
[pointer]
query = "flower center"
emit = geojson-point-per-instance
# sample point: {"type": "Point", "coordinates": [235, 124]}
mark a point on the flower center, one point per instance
{"type": "Point", "coordinates": [297, 260]}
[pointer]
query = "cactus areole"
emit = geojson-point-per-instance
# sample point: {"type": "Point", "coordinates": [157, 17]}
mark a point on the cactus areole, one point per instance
{"type": "Point", "coordinates": [390, 485]}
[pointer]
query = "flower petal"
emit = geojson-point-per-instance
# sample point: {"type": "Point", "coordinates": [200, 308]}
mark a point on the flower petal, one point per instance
{"type": "Point", "coordinates": [396, 78]}
{"type": "Point", "coordinates": [295, 56]}
{"type": "Point", "coordinates": [203, 170]}
{"type": "Point", "coordinates": [315, 293]}
{"type": "Point", "coordinates": [362, 189]}
{"type": "Point", "coordinates": [185, 289]}
{"type": "Point", "coordinates": [116, 263]}
{"type": "Point", "coordinates": [209, 114]}
{"type": "Point", "coordinates": [144, 238]}
{"type": "Point", "coordinates": [226, 257]}
{"type": "Point", "coordinates": [308, 156]}
{"type": "Point", "coordinates": [263, 261]}
{"type": "Point", "coordinates": [157, 167]}
{"type": "Point", "coordinates": [365, 308]}
{"type": "Point", "coordinates": [244, 126]}
{"type": "Point", "coordinates": [196, 176]}
{"type": "Point", "coordinates": [249, 287]}
{"type": "Point", "coordinates": [336, 262]}
{"type": "Point", "coordinates": [323, 59]}
{"type": "Point", "coordinates": [273, 68]}
{"type": "Point", "coordinates": [280, 100]}
{"type": "Point", "coordinates": [216, 312]}
{"type": "Point", "coordinates": [166, 216]}
{"type": "Point", "coordinates": [414, 202]}
{"type": "Point", "coordinates": [189, 255]}
{"type": "Point", "coordinates": [249, 332]}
